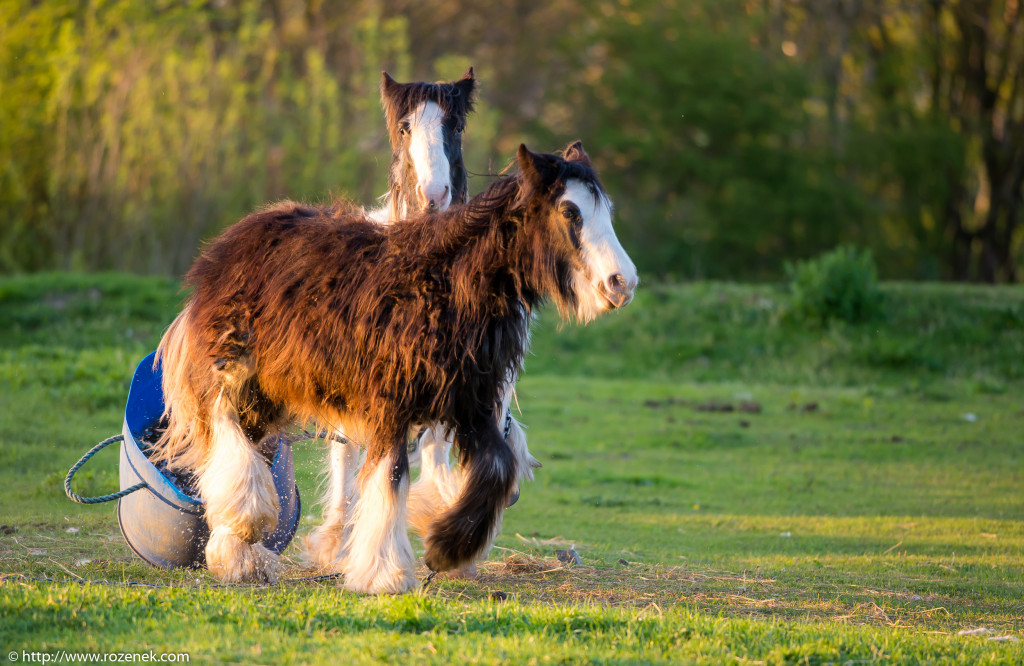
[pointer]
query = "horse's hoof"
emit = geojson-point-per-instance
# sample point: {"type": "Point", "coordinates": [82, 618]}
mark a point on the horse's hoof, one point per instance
{"type": "Point", "coordinates": [386, 580]}
{"type": "Point", "coordinates": [468, 572]}
{"type": "Point", "coordinates": [322, 550]}
{"type": "Point", "coordinates": [232, 560]}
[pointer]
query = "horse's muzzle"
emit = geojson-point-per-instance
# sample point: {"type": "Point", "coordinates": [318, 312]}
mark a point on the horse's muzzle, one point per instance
{"type": "Point", "coordinates": [617, 290]}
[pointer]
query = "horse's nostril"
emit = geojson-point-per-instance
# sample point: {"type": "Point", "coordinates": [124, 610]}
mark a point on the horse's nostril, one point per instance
{"type": "Point", "coordinates": [617, 282]}
{"type": "Point", "coordinates": [433, 200]}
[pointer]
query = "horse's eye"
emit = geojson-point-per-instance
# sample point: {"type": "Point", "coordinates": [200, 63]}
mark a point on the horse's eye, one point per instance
{"type": "Point", "coordinates": [403, 128]}
{"type": "Point", "coordinates": [459, 129]}
{"type": "Point", "coordinates": [571, 212]}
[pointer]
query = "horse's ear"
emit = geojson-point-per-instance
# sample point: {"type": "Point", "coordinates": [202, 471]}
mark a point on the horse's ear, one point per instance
{"type": "Point", "coordinates": [538, 169]}
{"type": "Point", "coordinates": [387, 85]}
{"type": "Point", "coordinates": [575, 153]}
{"type": "Point", "coordinates": [467, 85]}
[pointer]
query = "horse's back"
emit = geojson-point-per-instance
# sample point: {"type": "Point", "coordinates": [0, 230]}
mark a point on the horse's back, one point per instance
{"type": "Point", "coordinates": [285, 237]}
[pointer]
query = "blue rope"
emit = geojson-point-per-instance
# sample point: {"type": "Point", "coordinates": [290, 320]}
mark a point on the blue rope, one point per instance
{"type": "Point", "coordinates": [84, 459]}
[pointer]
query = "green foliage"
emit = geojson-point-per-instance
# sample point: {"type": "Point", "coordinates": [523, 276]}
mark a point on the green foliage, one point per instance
{"type": "Point", "coordinates": [737, 134]}
{"type": "Point", "coordinates": [706, 143]}
{"type": "Point", "coordinates": [124, 148]}
{"type": "Point", "coordinates": [731, 135]}
{"type": "Point", "coordinates": [840, 285]}
{"type": "Point", "coordinates": [906, 171]}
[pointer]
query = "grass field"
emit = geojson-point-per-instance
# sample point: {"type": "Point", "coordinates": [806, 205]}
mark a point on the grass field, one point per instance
{"type": "Point", "coordinates": [739, 488]}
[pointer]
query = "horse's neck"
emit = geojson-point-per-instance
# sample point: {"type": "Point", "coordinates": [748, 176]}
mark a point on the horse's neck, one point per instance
{"type": "Point", "coordinates": [481, 246]}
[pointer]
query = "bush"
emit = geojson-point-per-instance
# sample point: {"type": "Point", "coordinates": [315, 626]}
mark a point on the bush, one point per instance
{"type": "Point", "coordinates": [838, 285]}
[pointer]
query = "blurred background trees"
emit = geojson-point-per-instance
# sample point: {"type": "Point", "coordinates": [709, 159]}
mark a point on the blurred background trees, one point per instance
{"type": "Point", "coordinates": [733, 135]}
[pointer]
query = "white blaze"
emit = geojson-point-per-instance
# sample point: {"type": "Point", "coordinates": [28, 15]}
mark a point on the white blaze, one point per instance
{"type": "Point", "coordinates": [426, 148]}
{"type": "Point", "coordinates": [602, 253]}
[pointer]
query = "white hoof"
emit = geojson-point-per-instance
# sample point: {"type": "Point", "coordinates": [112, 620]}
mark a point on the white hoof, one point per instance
{"type": "Point", "coordinates": [323, 549]}
{"type": "Point", "coordinates": [232, 560]}
{"type": "Point", "coordinates": [380, 578]}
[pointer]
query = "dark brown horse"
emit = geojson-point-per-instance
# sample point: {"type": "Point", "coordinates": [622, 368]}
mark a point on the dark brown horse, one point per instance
{"type": "Point", "coordinates": [425, 122]}
{"type": "Point", "coordinates": [307, 314]}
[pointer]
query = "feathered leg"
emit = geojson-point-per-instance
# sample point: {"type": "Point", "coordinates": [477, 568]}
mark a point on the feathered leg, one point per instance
{"type": "Point", "coordinates": [241, 503]}
{"type": "Point", "coordinates": [323, 548]}
{"type": "Point", "coordinates": [516, 437]}
{"type": "Point", "coordinates": [438, 484]}
{"type": "Point", "coordinates": [464, 532]}
{"type": "Point", "coordinates": [379, 555]}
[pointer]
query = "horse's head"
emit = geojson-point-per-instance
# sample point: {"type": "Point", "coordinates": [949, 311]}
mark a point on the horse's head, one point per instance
{"type": "Point", "coordinates": [425, 123]}
{"type": "Point", "coordinates": [593, 273]}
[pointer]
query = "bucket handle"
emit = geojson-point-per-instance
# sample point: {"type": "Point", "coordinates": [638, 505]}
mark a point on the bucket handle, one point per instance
{"type": "Point", "coordinates": [102, 498]}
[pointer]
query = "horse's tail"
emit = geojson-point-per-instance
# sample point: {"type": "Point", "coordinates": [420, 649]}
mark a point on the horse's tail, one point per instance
{"type": "Point", "coordinates": [466, 530]}
{"type": "Point", "coordinates": [186, 431]}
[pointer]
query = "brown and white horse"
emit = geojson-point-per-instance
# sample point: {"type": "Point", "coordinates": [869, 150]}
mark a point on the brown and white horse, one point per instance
{"type": "Point", "coordinates": [308, 314]}
{"type": "Point", "coordinates": [425, 122]}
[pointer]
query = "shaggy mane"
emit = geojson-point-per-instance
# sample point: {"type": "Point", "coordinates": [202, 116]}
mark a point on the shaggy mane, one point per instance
{"type": "Point", "coordinates": [454, 98]}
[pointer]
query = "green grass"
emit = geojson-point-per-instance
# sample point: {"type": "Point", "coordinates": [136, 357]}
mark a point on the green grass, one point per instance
{"type": "Point", "coordinates": [716, 331]}
{"type": "Point", "coordinates": [869, 509]}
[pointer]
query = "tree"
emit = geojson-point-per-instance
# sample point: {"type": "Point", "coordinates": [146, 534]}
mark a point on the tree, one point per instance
{"type": "Point", "coordinates": [706, 138]}
{"type": "Point", "coordinates": [932, 95]}
{"type": "Point", "coordinates": [978, 81]}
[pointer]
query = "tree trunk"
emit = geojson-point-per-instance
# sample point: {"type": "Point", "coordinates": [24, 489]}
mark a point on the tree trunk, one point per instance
{"type": "Point", "coordinates": [988, 62]}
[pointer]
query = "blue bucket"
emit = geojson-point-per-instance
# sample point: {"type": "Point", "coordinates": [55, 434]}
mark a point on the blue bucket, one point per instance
{"type": "Point", "coordinates": [159, 513]}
